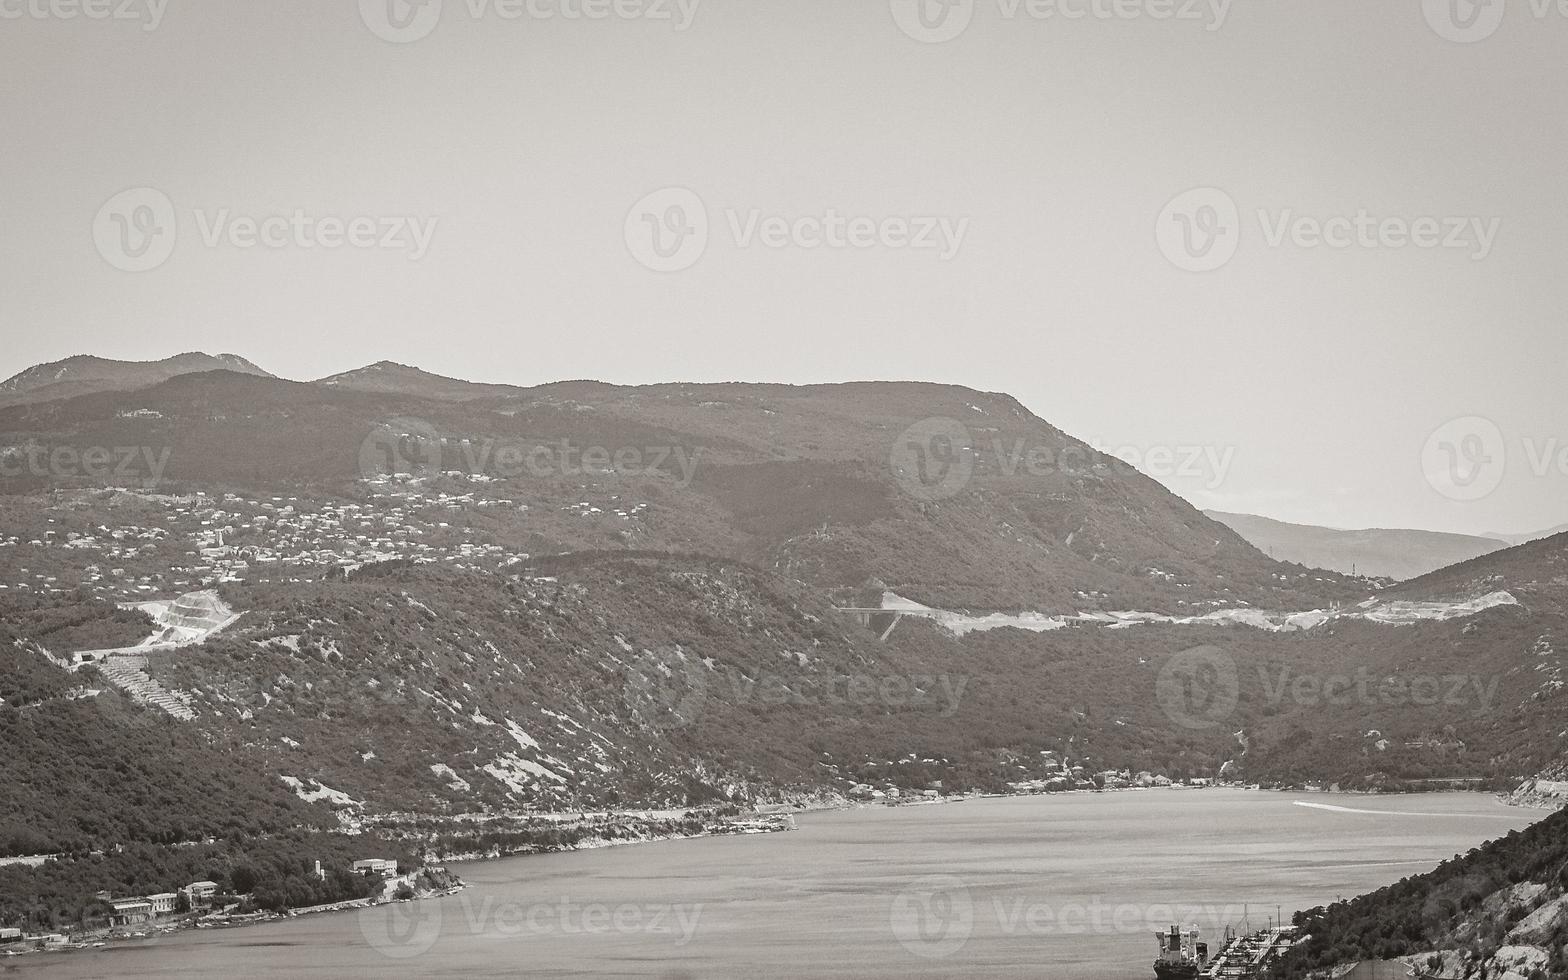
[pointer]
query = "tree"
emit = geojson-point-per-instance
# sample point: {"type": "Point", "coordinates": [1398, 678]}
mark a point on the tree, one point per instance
{"type": "Point", "coordinates": [244, 878]}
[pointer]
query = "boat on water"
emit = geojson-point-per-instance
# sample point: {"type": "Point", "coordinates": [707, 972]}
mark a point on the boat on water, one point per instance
{"type": "Point", "coordinates": [1185, 956]}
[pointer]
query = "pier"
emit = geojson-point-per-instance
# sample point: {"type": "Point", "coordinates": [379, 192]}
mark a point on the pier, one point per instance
{"type": "Point", "coordinates": [1247, 957]}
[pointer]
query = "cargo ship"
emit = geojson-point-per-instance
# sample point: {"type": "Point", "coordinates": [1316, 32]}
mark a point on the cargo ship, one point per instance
{"type": "Point", "coordinates": [1185, 956]}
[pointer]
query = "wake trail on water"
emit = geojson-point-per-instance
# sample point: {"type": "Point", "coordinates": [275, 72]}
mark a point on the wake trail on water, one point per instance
{"type": "Point", "coordinates": [1388, 813]}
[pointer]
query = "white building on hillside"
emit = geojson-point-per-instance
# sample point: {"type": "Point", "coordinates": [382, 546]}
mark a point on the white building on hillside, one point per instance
{"type": "Point", "coordinates": [377, 866]}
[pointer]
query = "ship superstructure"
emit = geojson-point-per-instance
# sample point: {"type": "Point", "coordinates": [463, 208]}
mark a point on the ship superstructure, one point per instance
{"type": "Point", "coordinates": [1183, 954]}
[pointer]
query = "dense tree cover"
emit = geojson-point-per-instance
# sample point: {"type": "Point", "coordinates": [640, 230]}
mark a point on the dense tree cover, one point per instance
{"type": "Point", "coordinates": [273, 873]}
{"type": "Point", "coordinates": [771, 707]}
{"type": "Point", "coordinates": [1440, 909]}
{"type": "Point", "coordinates": [36, 628]}
{"type": "Point", "coordinates": [94, 772]}
{"type": "Point", "coordinates": [134, 802]}
{"type": "Point", "coordinates": [374, 666]}
{"type": "Point", "coordinates": [27, 678]}
{"type": "Point", "coordinates": [67, 622]}
{"type": "Point", "coordinates": [84, 775]}
{"type": "Point", "coordinates": [393, 662]}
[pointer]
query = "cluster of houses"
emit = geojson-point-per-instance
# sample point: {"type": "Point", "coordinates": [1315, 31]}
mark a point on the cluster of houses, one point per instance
{"type": "Point", "coordinates": [147, 908]}
{"type": "Point", "coordinates": [199, 896]}
{"type": "Point", "coordinates": [201, 539]}
{"type": "Point", "coordinates": [1056, 775]}
{"type": "Point", "coordinates": [230, 537]}
{"type": "Point", "coordinates": [15, 937]}
{"type": "Point", "coordinates": [1077, 779]}
{"type": "Point", "coordinates": [117, 546]}
{"type": "Point", "coordinates": [865, 791]}
{"type": "Point", "coordinates": [1061, 775]}
{"type": "Point", "coordinates": [292, 531]}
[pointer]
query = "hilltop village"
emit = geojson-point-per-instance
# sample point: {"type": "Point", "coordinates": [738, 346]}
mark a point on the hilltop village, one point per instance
{"type": "Point", "coordinates": [127, 544]}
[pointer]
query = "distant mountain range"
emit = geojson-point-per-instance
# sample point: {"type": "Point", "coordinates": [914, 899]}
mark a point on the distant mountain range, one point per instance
{"type": "Point", "coordinates": [1395, 553]}
{"type": "Point", "coordinates": [84, 374]}
{"type": "Point", "coordinates": [1513, 539]}
{"type": "Point", "coordinates": [1374, 552]}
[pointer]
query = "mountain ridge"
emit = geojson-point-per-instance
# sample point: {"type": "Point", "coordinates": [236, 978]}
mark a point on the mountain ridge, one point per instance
{"type": "Point", "coordinates": [1514, 539]}
{"type": "Point", "coordinates": [809, 476]}
{"type": "Point", "coordinates": [87, 373]}
{"type": "Point", "coordinates": [392, 377]}
{"type": "Point", "coordinates": [1397, 553]}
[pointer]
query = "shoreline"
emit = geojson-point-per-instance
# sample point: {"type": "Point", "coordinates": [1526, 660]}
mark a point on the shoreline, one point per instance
{"type": "Point", "coordinates": [757, 823]}
{"type": "Point", "coordinates": [778, 818]}
{"type": "Point", "coordinates": [152, 931]}
{"type": "Point", "coordinates": [760, 824]}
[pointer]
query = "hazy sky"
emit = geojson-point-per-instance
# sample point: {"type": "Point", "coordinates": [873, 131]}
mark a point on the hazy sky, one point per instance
{"type": "Point", "coordinates": [1012, 184]}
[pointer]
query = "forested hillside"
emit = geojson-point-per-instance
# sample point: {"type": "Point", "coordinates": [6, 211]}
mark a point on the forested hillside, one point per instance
{"type": "Point", "coordinates": [692, 596]}
{"type": "Point", "coordinates": [1502, 906]}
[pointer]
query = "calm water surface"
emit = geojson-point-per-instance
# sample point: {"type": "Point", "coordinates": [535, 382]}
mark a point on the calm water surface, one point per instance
{"type": "Point", "coordinates": [1058, 887]}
